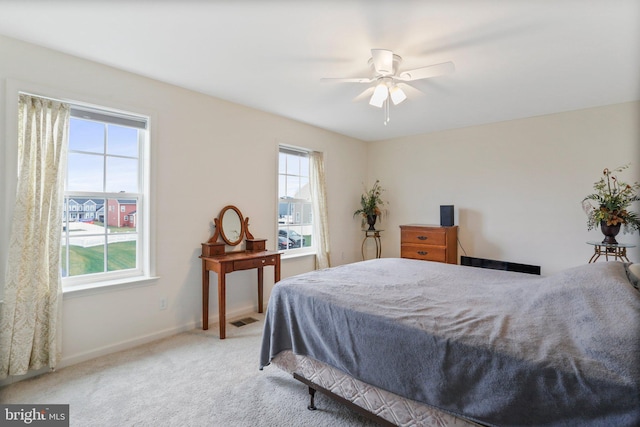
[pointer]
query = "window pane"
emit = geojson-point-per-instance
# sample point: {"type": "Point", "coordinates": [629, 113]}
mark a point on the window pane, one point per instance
{"type": "Point", "coordinates": [307, 212]}
{"type": "Point", "coordinates": [122, 175]}
{"type": "Point", "coordinates": [293, 186]}
{"type": "Point", "coordinates": [85, 135]}
{"type": "Point", "coordinates": [282, 163]}
{"type": "Point", "coordinates": [117, 210]}
{"type": "Point", "coordinates": [294, 236]}
{"type": "Point", "coordinates": [122, 141]}
{"type": "Point", "coordinates": [281, 186]}
{"type": "Point", "coordinates": [304, 166]}
{"type": "Point", "coordinates": [293, 164]}
{"type": "Point", "coordinates": [284, 217]}
{"type": "Point", "coordinates": [121, 253]}
{"type": "Point", "coordinates": [86, 255]}
{"type": "Point", "coordinates": [85, 172]}
{"type": "Point", "coordinates": [305, 191]}
{"type": "Point", "coordinates": [87, 211]}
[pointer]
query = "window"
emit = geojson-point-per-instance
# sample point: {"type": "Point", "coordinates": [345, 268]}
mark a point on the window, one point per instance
{"type": "Point", "coordinates": [106, 174]}
{"type": "Point", "coordinates": [295, 219]}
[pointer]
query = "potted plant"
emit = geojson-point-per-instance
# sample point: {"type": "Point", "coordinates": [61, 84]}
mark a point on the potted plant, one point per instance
{"type": "Point", "coordinates": [370, 203]}
{"type": "Point", "coordinates": [608, 207]}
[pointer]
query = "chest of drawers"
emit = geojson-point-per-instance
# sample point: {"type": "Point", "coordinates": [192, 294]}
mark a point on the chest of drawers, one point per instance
{"type": "Point", "coordinates": [429, 243]}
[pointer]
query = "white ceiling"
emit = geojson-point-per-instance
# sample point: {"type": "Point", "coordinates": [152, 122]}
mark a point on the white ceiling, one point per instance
{"type": "Point", "coordinates": [513, 59]}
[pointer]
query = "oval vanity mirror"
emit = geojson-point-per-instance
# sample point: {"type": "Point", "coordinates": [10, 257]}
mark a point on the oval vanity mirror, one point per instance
{"type": "Point", "coordinates": [231, 225]}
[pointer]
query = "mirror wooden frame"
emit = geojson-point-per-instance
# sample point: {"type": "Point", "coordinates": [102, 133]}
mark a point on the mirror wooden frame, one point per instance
{"type": "Point", "coordinates": [220, 225]}
{"type": "Point", "coordinates": [219, 228]}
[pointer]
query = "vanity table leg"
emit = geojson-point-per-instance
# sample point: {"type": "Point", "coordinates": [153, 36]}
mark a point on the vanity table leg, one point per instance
{"type": "Point", "coordinates": [205, 296]}
{"type": "Point", "coordinates": [222, 298]}
{"type": "Point", "coordinates": [260, 287]}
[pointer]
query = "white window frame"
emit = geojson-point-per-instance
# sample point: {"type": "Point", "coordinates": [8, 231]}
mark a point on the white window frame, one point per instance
{"type": "Point", "coordinates": [9, 158]}
{"type": "Point", "coordinates": [293, 252]}
{"type": "Point", "coordinates": [106, 115]}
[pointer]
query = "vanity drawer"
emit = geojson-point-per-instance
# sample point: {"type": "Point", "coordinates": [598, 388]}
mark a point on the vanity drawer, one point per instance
{"type": "Point", "coordinates": [423, 252]}
{"type": "Point", "coordinates": [424, 236]}
{"type": "Point", "coordinates": [247, 264]}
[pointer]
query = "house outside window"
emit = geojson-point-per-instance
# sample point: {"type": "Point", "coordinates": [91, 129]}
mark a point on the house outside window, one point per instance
{"type": "Point", "coordinates": [295, 219]}
{"type": "Point", "coordinates": [105, 168]}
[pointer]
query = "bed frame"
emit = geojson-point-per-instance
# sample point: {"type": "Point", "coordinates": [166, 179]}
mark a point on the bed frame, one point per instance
{"type": "Point", "coordinates": [378, 405]}
{"type": "Point", "coordinates": [313, 387]}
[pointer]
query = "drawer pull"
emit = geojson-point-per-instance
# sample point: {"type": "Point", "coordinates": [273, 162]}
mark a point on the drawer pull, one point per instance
{"type": "Point", "coordinates": [422, 252]}
{"type": "Point", "coordinates": [263, 261]}
{"type": "Point", "coordinates": [422, 237]}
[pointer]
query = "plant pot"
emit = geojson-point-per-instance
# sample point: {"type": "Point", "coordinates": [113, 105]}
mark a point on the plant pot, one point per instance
{"type": "Point", "coordinates": [371, 220]}
{"type": "Point", "coordinates": [610, 232]}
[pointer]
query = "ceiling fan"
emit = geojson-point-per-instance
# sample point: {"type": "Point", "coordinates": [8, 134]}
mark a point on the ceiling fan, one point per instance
{"type": "Point", "coordinates": [387, 78]}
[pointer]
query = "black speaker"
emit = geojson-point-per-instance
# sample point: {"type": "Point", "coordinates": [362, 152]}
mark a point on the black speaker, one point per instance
{"type": "Point", "coordinates": [446, 215]}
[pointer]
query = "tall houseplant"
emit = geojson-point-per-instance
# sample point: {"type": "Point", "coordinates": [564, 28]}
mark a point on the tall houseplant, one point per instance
{"type": "Point", "coordinates": [608, 207]}
{"type": "Point", "coordinates": [370, 203]}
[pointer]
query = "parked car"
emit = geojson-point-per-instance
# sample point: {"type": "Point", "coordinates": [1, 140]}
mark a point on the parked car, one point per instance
{"type": "Point", "coordinates": [283, 243]}
{"type": "Point", "coordinates": [297, 240]}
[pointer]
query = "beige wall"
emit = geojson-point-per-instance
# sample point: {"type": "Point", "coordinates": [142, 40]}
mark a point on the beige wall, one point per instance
{"type": "Point", "coordinates": [517, 186]}
{"type": "Point", "coordinates": [207, 153]}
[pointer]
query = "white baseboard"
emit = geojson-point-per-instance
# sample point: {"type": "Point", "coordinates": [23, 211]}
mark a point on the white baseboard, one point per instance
{"type": "Point", "coordinates": [131, 343]}
{"type": "Point", "coordinates": [124, 345]}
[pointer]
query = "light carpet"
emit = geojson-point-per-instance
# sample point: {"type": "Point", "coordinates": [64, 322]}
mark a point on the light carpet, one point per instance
{"type": "Point", "coordinates": [190, 379]}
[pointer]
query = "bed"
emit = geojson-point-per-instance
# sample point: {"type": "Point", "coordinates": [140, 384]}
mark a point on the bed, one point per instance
{"type": "Point", "coordinates": [465, 345]}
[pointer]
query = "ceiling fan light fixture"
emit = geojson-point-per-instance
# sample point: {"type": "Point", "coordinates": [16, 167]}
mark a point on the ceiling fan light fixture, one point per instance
{"type": "Point", "coordinates": [380, 94]}
{"type": "Point", "coordinates": [397, 95]}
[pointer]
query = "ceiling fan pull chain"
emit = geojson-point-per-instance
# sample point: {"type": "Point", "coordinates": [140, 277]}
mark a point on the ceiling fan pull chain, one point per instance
{"type": "Point", "coordinates": [386, 111]}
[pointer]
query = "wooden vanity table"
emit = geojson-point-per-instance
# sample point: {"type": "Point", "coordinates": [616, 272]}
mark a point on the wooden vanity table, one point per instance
{"type": "Point", "coordinates": [233, 228]}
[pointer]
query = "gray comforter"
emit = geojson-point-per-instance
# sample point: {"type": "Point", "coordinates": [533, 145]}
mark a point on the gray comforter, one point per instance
{"type": "Point", "coordinates": [491, 346]}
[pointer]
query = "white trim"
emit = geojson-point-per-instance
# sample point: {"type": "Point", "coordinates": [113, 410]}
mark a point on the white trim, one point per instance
{"type": "Point", "coordinates": [302, 152]}
{"type": "Point", "coordinates": [82, 290]}
{"type": "Point", "coordinates": [289, 255]}
{"type": "Point", "coordinates": [135, 342]}
{"type": "Point", "coordinates": [141, 240]}
{"type": "Point", "coordinates": [131, 343]}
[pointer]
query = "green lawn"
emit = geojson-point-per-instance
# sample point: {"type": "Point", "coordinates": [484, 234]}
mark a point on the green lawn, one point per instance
{"type": "Point", "coordinates": [122, 256]}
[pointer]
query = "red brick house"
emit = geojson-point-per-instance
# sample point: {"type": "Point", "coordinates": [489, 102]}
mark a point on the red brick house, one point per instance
{"type": "Point", "coordinates": [121, 213]}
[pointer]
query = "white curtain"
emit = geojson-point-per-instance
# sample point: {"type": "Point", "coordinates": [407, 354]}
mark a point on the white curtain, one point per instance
{"type": "Point", "coordinates": [320, 215]}
{"type": "Point", "coordinates": [31, 313]}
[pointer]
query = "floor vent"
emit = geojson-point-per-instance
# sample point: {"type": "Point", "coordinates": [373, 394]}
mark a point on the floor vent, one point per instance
{"type": "Point", "coordinates": [242, 322]}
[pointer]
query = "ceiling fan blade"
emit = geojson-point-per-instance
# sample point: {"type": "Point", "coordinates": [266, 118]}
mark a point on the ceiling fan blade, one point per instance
{"type": "Point", "coordinates": [427, 72]}
{"type": "Point", "coordinates": [410, 90]}
{"type": "Point", "coordinates": [382, 61]}
{"type": "Point", "coordinates": [347, 80]}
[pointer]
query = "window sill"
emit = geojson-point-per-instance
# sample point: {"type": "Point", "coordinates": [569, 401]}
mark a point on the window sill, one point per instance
{"type": "Point", "coordinates": [107, 286]}
{"type": "Point", "coordinates": [293, 255]}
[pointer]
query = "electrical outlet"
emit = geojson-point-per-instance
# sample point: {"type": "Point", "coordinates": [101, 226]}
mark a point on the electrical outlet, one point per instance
{"type": "Point", "coordinates": [163, 303]}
